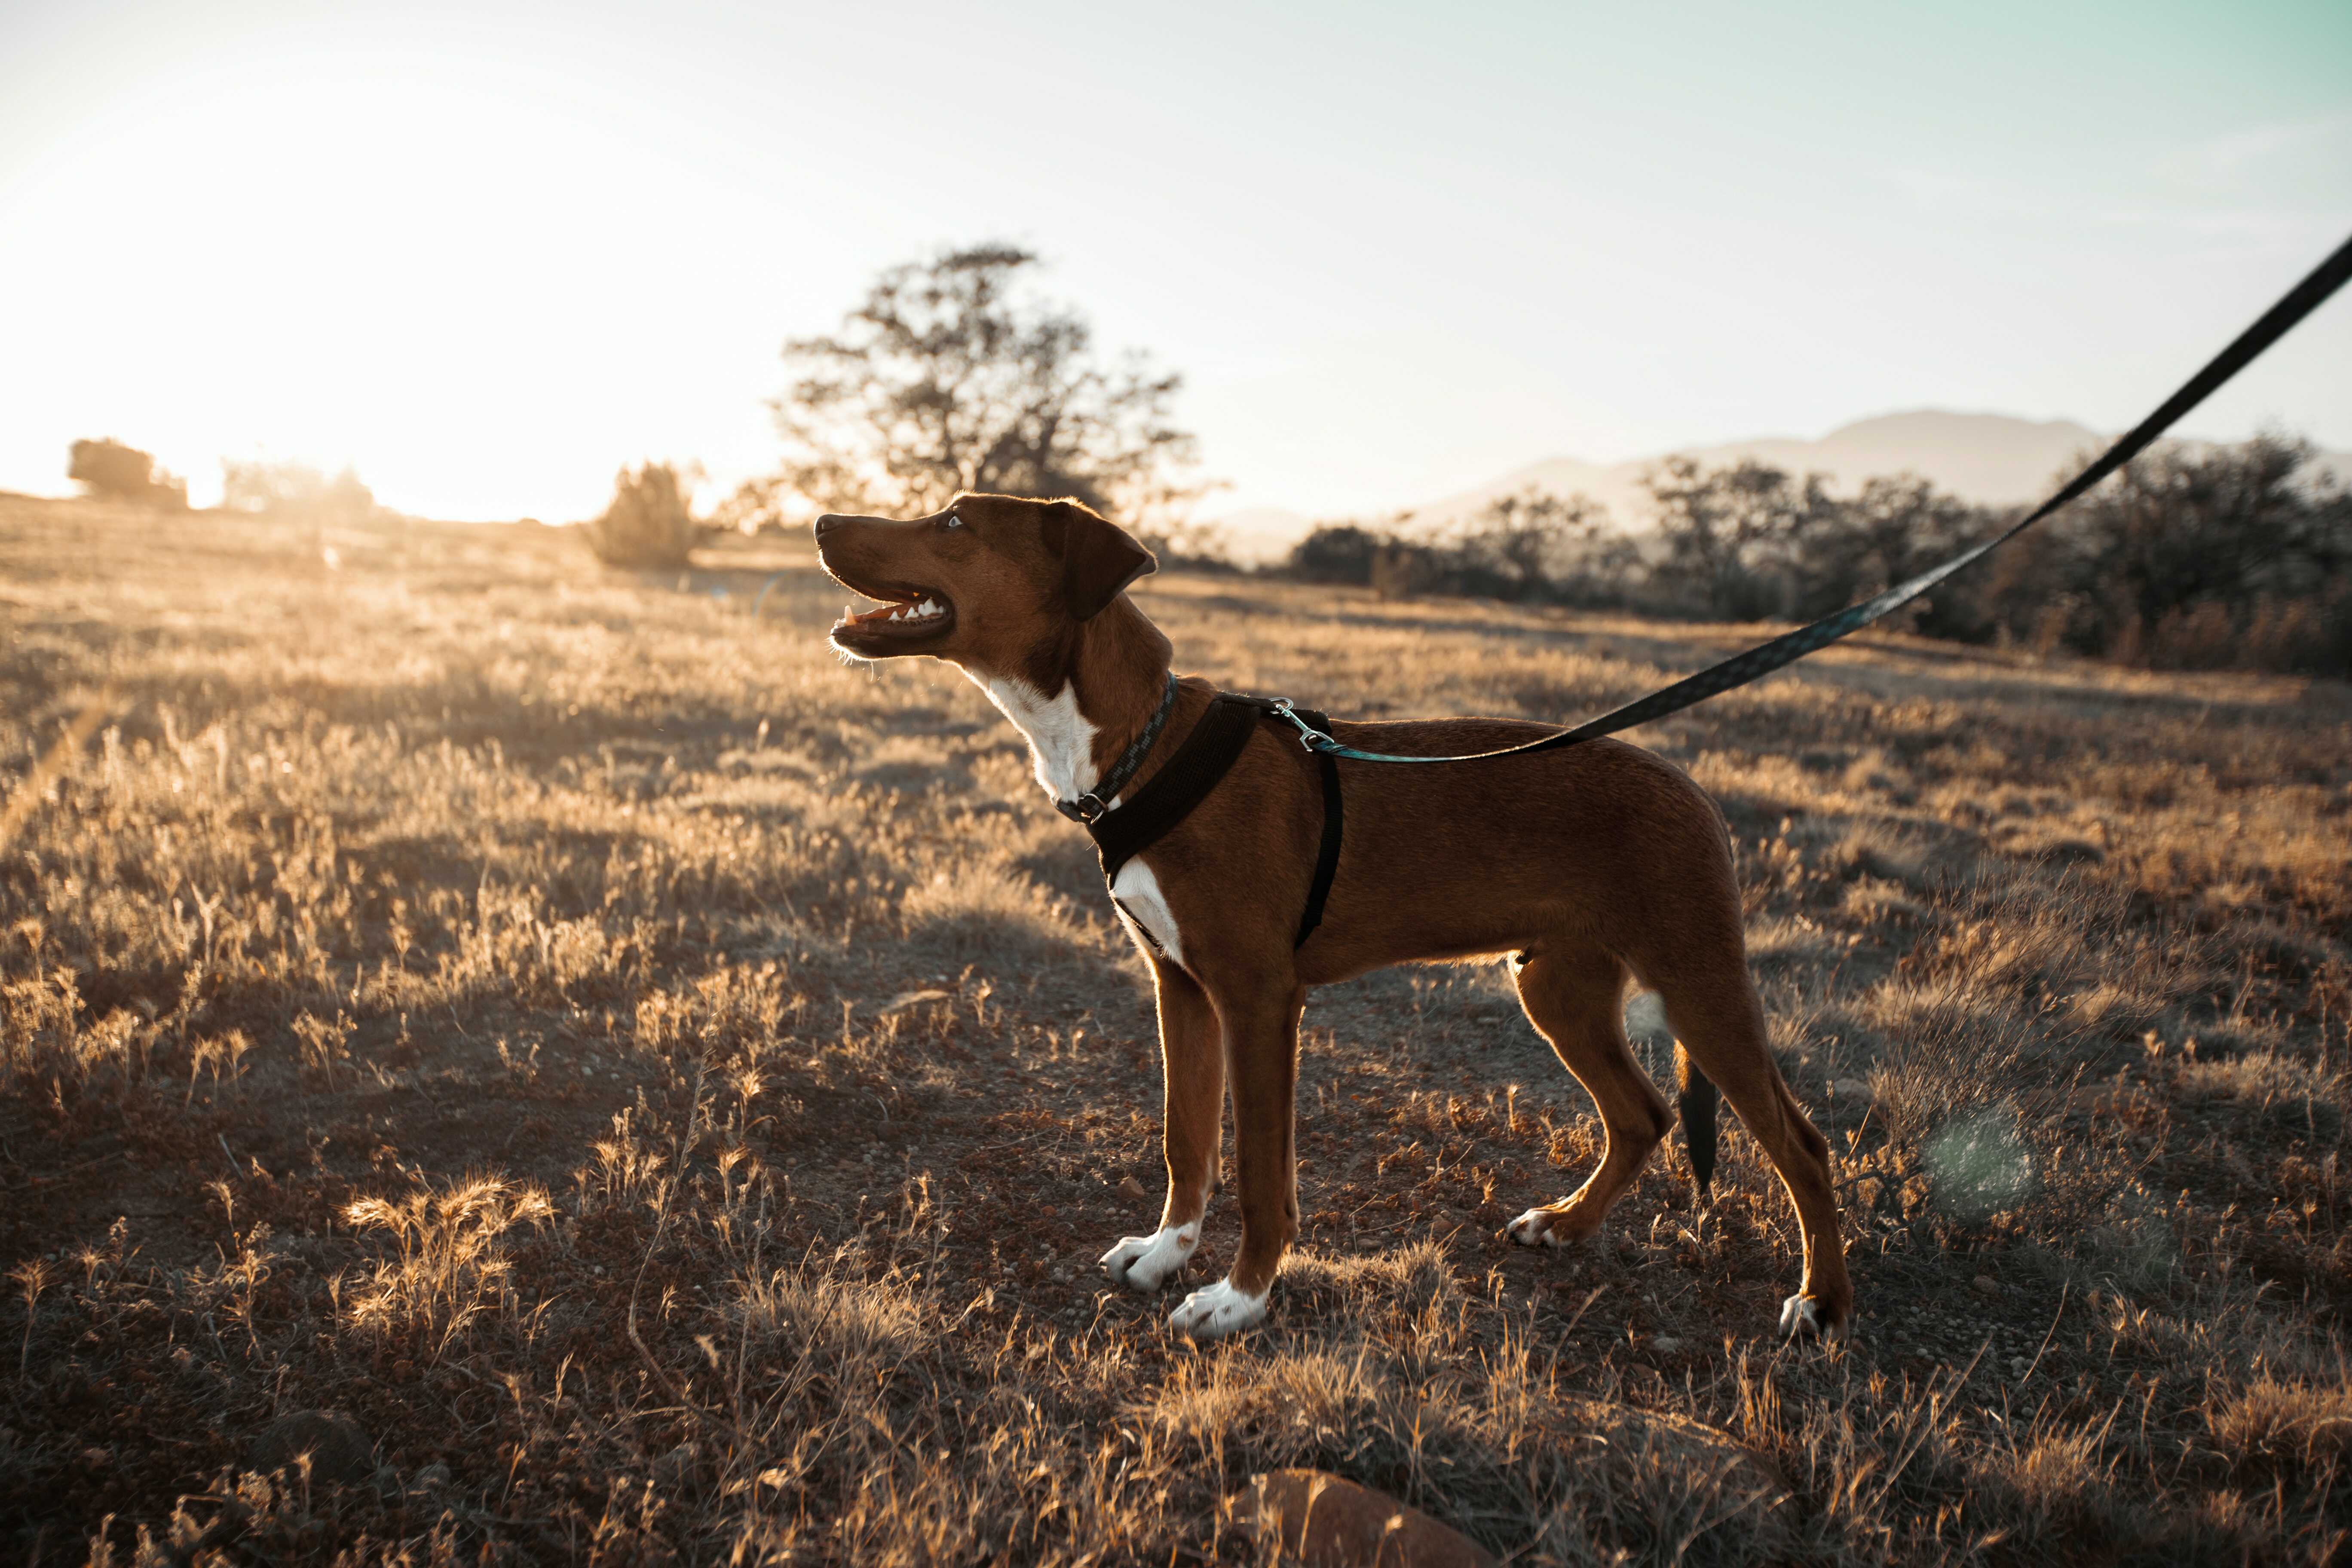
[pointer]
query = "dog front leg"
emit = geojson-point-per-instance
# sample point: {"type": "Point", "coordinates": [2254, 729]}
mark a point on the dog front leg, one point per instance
{"type": "Point", "coordinates": [1260, 1040]}
{"type": "Point", "coordinates": [1192, 1060]}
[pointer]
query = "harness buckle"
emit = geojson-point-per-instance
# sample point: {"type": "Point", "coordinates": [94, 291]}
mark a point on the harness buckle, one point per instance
{"type": "Point", "coordinates": [1088, 808]}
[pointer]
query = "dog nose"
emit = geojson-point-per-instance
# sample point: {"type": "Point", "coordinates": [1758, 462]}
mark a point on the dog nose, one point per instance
{"type": "Point", "coordinates": [828, 522]}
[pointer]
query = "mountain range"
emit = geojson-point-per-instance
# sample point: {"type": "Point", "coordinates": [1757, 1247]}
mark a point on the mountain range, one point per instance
{"type": "Point", "coordinates": [1993, 459]}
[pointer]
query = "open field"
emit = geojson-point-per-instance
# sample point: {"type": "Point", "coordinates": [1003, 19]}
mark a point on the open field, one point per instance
{"type": "Point", "coordinates": [670, 1090]}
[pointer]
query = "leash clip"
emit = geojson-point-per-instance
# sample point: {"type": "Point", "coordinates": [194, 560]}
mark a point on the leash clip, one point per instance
{"type": "Point", "coordinates": [1309, 737]}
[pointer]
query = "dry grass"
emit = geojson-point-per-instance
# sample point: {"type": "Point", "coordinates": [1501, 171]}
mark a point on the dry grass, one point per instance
{"type": "Point", "coordinates": [670, 1088]}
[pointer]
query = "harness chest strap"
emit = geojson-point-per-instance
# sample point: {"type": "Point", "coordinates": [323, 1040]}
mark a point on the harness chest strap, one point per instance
{"type": "Point", "coordinates": [1200, 764]}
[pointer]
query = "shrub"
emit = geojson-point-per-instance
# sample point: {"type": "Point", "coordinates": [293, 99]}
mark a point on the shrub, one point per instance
{"type": "Point", "coordinates": [647, 523]}
{"type": "Point", "coordinates": [1334, 552]}
{"type": "Point", "coordinates": [112, 471]}
{"type": "Point", "coordinates": [281, 489]}
{"type": "Point", "coordinates": [1529, 546]}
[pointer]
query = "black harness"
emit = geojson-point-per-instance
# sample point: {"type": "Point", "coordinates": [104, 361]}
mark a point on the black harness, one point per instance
{"type": "Point", "coordinates": [1207, 755]}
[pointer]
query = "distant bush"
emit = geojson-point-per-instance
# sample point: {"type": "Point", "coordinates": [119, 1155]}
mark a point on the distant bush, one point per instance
{"type": "Point", "coordinates": [112, 471]}
{"type": "Point", "coordinates": [1735, 538]}
{"type": "Point", "coordinates": [2232, 557]}
{"type": "Point", "coordinates": [1750, 541]}
{"type": "Point", "coordinates": [647, 523]}
{"type": "Point", "coordinates": [1334, 552]}
{"type": "Point", "coordinates": [294, 489]}
{"type": "Point", "coordinates": [1532, 546]}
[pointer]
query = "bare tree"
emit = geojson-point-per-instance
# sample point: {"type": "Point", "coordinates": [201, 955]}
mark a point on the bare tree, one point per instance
{"type": "Point", "coordinates": [1537, 543]}
{"type": "Point", "coordinates": [1730, 533]}
{"type": "Point", "coordinates": [950, 376]}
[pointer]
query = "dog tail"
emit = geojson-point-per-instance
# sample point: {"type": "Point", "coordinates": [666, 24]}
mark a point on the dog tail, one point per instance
{"type": "Point", "coordinates": [1695, 1098]}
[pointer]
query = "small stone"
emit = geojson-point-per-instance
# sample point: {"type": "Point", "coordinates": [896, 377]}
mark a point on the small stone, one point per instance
{"type": "Point", "coordinates": [1986, 1285]}
{"type": "Point", "coordinates": [340, 1449]}
{"type": "Point", "coordinates": [1129, 1187]}
{"type": "Point", "coordinates": [1666, 1344]}
{"type": "Point", "coordinates": [433, 1477]}
{"type": "Point", "coordinates": [906, 999]}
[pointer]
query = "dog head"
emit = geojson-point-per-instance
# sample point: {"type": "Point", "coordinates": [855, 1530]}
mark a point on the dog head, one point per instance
{"type": "Point", "coordinates": [995, 584]}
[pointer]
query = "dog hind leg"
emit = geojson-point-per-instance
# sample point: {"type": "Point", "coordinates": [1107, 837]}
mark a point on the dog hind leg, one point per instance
{"type": "Point", "coordinates": [1715, 1015]}
{"type": "Point", "coordinates": [1574, 994]}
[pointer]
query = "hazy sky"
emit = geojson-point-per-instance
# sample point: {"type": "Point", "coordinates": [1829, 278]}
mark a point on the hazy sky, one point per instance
{"type": "Point", "coordinates": [488, 252]}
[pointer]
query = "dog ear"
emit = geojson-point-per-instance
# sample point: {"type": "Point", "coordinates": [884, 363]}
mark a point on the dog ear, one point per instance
{"type": "Point", "coordinates": [1099, 558]}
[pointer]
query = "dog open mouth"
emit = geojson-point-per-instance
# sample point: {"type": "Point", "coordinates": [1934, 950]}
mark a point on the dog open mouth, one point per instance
{"type": "Point", "coordinates": [906, 613]}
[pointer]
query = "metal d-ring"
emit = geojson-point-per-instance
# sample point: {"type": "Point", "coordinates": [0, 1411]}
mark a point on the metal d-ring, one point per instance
{"type": "Point", "coordinates": [1307, 734]}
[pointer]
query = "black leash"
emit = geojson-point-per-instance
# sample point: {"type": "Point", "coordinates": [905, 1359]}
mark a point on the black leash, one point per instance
{"type": "Point", "coordinates": [1765, 658]}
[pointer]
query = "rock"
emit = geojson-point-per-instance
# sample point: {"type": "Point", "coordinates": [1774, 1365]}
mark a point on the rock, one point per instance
{"type": "Point", "coordinates": [1129, 1187]}
{"type": "Point", "coordinates": [340, 1450]}
{"type": "Point", "coordinates": [906, 999]}
{"type": "Point", "coordinates": [1666, 1344]}
{"type": "Point", "coordinates": [1323, 1520]}
{"type": "Point", "coordinates": [1986, 1285]}
{"type": "Point", "coordinates": [433, 1477]}
{"type": "Point", "coordinates": [1853, 1090]}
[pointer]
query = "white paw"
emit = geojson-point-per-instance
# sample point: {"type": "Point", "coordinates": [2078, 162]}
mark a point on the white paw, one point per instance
{"type": "Point", "coordinates": [1533, 1228]}
{"type": "Point", "coordinates": [1145, 1263]}
{"type": "Point", "coordinates": [1215, 1311]}
{"type": "Point", "coordinates": [1800, 1318]}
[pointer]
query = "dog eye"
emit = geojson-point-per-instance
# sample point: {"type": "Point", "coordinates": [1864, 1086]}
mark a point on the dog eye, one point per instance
{"type": "Point", "coordinates": [950, 520]}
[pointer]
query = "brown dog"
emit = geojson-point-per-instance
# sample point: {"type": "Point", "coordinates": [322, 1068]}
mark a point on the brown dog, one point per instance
{"type": "Point", "coordinates": [1591, 865]}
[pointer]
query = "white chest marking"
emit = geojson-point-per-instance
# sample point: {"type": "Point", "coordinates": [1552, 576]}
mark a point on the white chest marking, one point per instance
{"type": "Point", "coordinates": [1061, 741]}
{"type": "Point", "coordinates": [1140, 899]}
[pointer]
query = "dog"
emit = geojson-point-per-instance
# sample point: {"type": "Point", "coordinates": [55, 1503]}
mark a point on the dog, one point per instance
{"type": "Point", "coordinates": [1592, 868]}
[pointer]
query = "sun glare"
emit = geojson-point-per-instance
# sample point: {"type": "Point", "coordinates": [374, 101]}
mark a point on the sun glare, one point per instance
{"type": "Point", "coordinates": [420, 281]}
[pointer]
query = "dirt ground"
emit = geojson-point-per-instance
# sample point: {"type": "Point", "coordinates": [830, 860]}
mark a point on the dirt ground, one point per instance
{"type": "Point", "coordinates": [669, 1090]}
